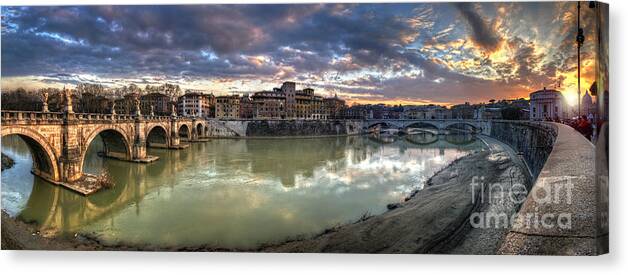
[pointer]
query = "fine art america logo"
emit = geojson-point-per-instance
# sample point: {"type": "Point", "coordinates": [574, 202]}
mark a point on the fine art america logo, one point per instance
{"type": "Point", "coordinates": [547, 193]}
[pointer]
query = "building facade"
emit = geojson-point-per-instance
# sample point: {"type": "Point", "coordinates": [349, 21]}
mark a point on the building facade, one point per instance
{"type": "Point", "coordinates": [356, 112]}
{"type": "Point", "coordinates": [290, 92]}
{"type": "Point", "coordinates": [126, 104]}
{"type": "Point", "coordinates": [228, 106]}
{"type": "Point", "coordinates": [488, 112]}
{"type": "Point", "coordinates": [90, 103]}
{"type": "Point", "coordinates": [289, 103]}
{"type": "Point", "coordinates": [548, 105]}
{"type": "Point", "coordinates": [195, 104]}
{"type": "Point", "coordinates": [426, 112]}
{"type": "Point", "coordinates": [160, 103]}
{"type": "Point", "coordinates": [309, 105]}
{"type": "Point", "coordinates": [301, 104]}
{"type": "Point", "coordinates": [269, 105]}
{"type": "Point", "coordinates": [462, 111]}
{"type": "Point", "coordinates": [247, 108]}
{"type": "Point", "coordinates": [334, 107]}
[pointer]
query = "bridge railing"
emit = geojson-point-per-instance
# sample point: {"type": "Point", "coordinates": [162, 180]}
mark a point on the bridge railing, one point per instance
{"type": "Point", "coordinates": [283, 119]}
{"type": "Point", "coordinates": [37, 116]}
{"type": "Point", "coordinates": [101, 117]}
{"type": "Point", "coordinates": [30, 116]}
{"type": "Point", "coordinates": [160, 118]}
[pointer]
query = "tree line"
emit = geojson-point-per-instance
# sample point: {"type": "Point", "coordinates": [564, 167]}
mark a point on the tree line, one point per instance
{"type": "Point", "coordinates": [86, 97]}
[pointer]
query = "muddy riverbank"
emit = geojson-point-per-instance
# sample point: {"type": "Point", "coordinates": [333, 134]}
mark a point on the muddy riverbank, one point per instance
{"type": "Point", "coordinates": [432, 220]}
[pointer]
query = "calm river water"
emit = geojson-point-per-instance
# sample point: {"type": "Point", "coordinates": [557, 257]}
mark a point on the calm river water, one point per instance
{"type": "Point", "coordinates": [232, 193]}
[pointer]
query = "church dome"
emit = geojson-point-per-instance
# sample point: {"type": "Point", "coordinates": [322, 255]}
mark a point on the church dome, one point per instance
{"type": "Point", "coordinates": [586, 99]}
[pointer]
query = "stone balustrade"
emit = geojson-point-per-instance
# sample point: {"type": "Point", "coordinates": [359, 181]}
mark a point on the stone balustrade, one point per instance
{"type": "Point", "coordinates": [33, 116]}
{"type": "Point", "coordinates": [50, 117]}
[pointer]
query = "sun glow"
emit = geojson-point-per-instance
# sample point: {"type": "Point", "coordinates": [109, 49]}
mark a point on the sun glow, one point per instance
{"type": "Point", "coordinates": [570, 83]}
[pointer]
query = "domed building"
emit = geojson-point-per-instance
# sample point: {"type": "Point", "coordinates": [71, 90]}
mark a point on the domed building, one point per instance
{"type": "Point", "coordinates": [587, 104]}
{"type": "Point", "coordinates": [548, 105]}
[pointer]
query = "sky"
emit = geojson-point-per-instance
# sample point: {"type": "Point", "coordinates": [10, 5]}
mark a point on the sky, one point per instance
{"type": "Point", "coordinates": [441, 53]}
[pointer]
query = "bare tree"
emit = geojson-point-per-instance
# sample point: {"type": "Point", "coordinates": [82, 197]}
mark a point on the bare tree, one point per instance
{"type": "Point", "coordinates": [21, 100]}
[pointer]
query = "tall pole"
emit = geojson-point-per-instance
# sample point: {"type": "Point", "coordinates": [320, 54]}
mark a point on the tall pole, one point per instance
{"type": "Point", "coordinates": [579, 41]}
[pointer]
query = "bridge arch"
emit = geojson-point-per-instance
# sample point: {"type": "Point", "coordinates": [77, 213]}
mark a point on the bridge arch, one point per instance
{"type": "Point", "coordinates": [184, 132]}
{"type": "Point", "coordinates": [463, 126]}
{"type": "Point", "coordinates": [423, 126]}
{"type": "Point", "coordinates": [157, 136]}
{"type": "Point", "coordinates": [45, 160]}
{"type": "Point", "coordinates": [114, 141]}
{"type": "Point", "coordinates": [199, 129]}
{"type": "Point", "coordinates": [383, 123]}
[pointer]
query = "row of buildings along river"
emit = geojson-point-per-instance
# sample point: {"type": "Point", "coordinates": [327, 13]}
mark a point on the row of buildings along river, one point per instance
{"type": "Point", "coordinates": [280, 103]}
{"type": "Point", "coordinates": [288, 102]}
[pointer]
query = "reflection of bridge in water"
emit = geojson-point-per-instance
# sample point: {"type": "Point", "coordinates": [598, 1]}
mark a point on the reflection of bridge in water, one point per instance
{"type": "Point", "coordinates": [427, 140]}
{"type": "Point", "coordinates": [69, 211]}
{"type": "Point", "coordinates": [436, 126]}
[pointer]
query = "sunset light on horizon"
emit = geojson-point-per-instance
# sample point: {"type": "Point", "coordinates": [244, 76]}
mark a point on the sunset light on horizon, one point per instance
{"type": "Point", "coordinates": [414, 53]}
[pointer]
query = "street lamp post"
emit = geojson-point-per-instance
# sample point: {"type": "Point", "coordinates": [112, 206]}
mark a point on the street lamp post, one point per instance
{"type": "Point", "coordinates": [579, 41]}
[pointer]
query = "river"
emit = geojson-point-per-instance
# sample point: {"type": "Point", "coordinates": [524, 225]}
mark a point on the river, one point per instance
{"type": "Point", "coordinates": [232, 193]}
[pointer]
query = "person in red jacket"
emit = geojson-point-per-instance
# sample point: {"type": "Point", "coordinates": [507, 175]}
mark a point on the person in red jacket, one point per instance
{"type": "Point", "coordinates": [585, 127]}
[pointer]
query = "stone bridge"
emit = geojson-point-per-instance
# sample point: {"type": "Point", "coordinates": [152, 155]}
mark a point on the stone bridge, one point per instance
{"type": "Point", "coordinates": [59, 141]}
{"type": "Point", "coordinates": [284, 127]}
{"type": "Point", "coordinates": [292, 127]}
{"type": "Point", "coordinates": [441, 125]}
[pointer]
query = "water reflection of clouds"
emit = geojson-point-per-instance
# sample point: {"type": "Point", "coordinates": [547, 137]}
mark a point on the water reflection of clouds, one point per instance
{"type": "Point", "coordinates": [387, 166]}
{"type": "Point", "coordinates": [259, 191]}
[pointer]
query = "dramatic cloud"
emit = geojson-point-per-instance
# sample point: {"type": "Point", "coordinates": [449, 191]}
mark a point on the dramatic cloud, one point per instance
{"type": "Point", "coordinates": [443, 53]}
{"type": "Point", "coordinates": [483, 34]}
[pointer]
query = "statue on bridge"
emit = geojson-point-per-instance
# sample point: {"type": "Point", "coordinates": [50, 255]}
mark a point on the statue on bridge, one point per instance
{"type": "Point", "coordinates": [113, 108]}
{"type": "Point", "coordinates": [67, 93]}
{"type": "Point", "coordinates": [138, 110]}
{"type": "Point", "coordinates": [174, 110]}
{"type": "Point", "coordinates": [44, 98]}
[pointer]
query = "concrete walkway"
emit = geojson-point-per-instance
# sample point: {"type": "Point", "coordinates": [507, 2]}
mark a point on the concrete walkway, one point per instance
{"type": "Point", "coordinates": [560, 214]}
